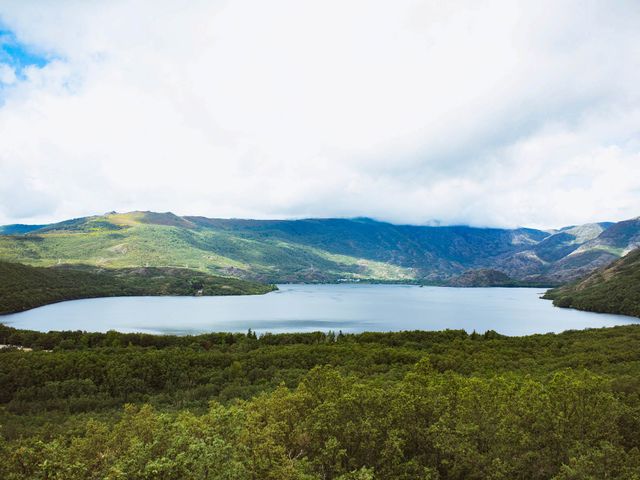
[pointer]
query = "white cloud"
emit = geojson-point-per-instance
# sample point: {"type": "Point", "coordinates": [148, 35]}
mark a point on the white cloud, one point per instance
{"type": "Point", "coordinates": [7, 74]}
{"type": "Point", "coordinates": [509, 113]}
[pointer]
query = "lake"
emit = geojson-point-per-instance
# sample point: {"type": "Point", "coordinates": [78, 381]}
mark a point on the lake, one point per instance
{"type": "Point", "coordinates": [304, 308]}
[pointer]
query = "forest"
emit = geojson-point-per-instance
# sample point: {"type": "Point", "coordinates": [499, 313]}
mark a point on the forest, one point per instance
{"type": "Point", "coordinates": [405, 405]}
{"type": "Point", "coordinates": [23, 287]}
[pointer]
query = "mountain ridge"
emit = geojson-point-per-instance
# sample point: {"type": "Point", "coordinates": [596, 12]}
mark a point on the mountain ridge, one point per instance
{"type": "Point", "coordinates": [320, 250]}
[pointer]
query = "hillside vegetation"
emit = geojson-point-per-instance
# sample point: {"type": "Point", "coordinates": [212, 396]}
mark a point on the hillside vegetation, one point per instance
{"type": "Point", "coordinates": [385, 406]}
{"type": "Point", "coordinates": [318, 250]}
{"type": "Point", "coordinates": [486, 277]}
{"type": "Point", "coordinates": [23, 287]}
{"type": "Point", "coordinates": [481, 278]}
{"type": "Point", "coordinates": [614, 289]}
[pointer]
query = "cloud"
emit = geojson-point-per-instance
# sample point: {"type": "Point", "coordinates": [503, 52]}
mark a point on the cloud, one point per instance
{"type": "Point", "coordinates": [501, 114]}
{"type": "Point", "coordinates": [7, 74]}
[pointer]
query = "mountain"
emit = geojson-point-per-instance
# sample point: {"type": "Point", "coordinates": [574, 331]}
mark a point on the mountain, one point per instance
{"type": "Point", "coordinates": [613, 289]}
{"type": "Point", "coordinates": [319, 250]}
{"type": "Point", "coordinates": [615, 241]}
{"type": "Point", "coordinates": [23, 287]}
{"type": "Point", "coordinates": [562, 256]}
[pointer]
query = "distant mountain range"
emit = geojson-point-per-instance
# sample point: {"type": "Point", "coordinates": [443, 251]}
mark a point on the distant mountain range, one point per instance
{"type": "Point", "coordinates": [320, 250]}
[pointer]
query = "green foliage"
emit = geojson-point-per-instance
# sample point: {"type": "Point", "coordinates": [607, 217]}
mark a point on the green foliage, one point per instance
{"type": "Point", "coordinates": [485, 277]}
{"type": "Point", "coordinates": [405, 405]}
{"type": "Point", "coordinates": [23, 287]}
{"type": "Point", "coordinates": [615, 289]}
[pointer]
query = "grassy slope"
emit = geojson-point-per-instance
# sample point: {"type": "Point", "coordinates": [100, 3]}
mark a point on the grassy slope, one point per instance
{"type": "Point", "coordinates": [23, 287]}
{"type": "Point", "coordinates": [614, 289]}
{"type": "Point", "coordinates": [128, 240]}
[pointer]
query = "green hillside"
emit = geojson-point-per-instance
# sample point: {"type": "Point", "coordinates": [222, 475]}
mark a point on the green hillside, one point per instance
{"type": "Point", "coordinates": [317, 250]}
{"type": "Point", "coordinates": [481, 278]}
{"type": "Point", "coordinates": [614, 289]}
{"type": "Point", "coordinates": [23, 287]}
{"type": "Point", "coordinates": [141, 239]}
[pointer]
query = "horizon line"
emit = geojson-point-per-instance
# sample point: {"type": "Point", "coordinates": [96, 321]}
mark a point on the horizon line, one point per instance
{"type": "Point", "coordinates": [429, 223]}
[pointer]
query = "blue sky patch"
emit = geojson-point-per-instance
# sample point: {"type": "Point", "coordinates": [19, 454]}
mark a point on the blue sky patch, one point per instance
{"type": "Point", "coordinates": [17, 54]}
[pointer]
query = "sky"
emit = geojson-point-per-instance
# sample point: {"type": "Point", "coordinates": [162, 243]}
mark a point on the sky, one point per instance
{"type": "Point", "coordinates": [496, 113]}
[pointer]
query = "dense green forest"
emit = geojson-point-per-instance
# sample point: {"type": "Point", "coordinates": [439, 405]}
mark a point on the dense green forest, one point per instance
{"type": "Point", "coordinates": [23, 287]}
{"type": "Point", "coordinates": [406, 405]}
{"type": "Point", "coordinates": [614, 289]}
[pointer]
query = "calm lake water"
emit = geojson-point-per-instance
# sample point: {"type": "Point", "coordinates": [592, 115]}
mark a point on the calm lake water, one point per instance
{"type": "Point", "coordinates": [302, 308]}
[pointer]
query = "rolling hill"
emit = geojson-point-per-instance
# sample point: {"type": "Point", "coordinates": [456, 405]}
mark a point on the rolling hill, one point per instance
{"type": "Point", "coordinates": [483, 277]}
{"type": "Point", "coordinates": [23, 287]}
{"type": "Point", "coordinates": [318, 250]}
{"type": "Point", "coordinates": [613, 289]}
